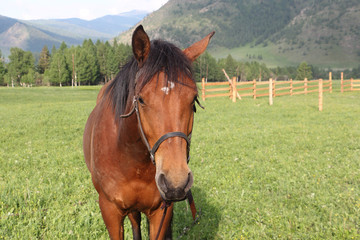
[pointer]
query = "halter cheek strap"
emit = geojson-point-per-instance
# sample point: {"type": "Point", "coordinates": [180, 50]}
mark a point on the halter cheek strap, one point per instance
{"type": "Point", "coordinates": [164, 137]}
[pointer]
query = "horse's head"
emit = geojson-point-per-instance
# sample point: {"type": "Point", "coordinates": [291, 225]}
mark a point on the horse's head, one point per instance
{"type": "Point", "coordinates": [165, 97]}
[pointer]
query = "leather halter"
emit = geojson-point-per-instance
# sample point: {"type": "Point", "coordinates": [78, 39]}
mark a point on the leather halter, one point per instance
{"type": "Point", "coordinates": [152, 150]}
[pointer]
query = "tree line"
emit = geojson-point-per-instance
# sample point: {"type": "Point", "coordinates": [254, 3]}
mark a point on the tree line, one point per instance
{"type": "Point", "coordinates": [88, 63]}
{"type": "Point", "coordinates": [98, 63]}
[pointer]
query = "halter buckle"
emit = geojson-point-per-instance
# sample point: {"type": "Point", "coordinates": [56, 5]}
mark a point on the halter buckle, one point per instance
{"type": "Point", "coordinates": [152, 157]}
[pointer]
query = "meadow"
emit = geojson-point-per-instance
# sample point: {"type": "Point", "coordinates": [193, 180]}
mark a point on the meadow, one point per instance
{"type": "Point", "coordinates": [285, 171]}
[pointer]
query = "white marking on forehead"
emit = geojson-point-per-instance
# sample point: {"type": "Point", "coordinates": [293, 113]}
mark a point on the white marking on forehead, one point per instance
{"type": "Point", "coordinates": [166, 90]}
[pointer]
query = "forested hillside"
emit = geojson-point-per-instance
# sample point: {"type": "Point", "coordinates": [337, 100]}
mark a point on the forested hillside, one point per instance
{"type": "Point", "coordinates": [323, 32]}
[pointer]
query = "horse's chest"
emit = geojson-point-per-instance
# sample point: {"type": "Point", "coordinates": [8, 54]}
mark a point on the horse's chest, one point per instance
{"type": "Point", "coordinates": [135, 194]}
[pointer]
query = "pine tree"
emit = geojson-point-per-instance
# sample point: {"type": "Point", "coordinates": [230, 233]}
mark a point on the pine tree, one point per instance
{"type": "Point", "coordinates": [63, 47]}
{"type": "Point", "coordinates": [213, 71]}
{"type": "Point", "coordinates": [44, 60]}
{"type": "Point", "coordinates": [84, 72]}
{"type": "Point", "coordinates": [122, 53]}
{"type": "Point", "coordinates": [230, 66]}
{"type": "Point", "coordinates": [304, 71]}
{"type": "Point", "coordinates": [111, 62]}
{"type": "Point", "coordinates": [254, 70]}
{"type": "Point", "coordinates": [206, 66]}
{"type": "Point", "coordinates": [89, 67]}
{"type": "Point", "coordinates": [2, 70]}
{"type": "Point", "coordinates": [101, 57]}
{"type": "Point", "coordinates": [53, 50]}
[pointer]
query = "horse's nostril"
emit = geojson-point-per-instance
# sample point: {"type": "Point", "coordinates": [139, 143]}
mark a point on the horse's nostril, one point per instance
{"type": "Point", "coordinates": [190, 181]}
{"type": "Point", "coordinates": [171, 192]}
{"type": "Point", "coordinates": [162, 183]}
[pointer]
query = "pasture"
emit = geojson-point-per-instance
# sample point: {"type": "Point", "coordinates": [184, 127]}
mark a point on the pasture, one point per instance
{"type": "Point", "coordinates": [285, 171]}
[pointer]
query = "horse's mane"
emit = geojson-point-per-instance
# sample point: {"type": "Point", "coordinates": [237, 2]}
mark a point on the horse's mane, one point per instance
{"type": "Point", "coordinates": [163, 56]}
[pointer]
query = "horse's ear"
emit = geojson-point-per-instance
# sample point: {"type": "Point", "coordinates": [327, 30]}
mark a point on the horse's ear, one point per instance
{"type": "Point", "coordinates": [140, 45]}
{"type": "Point", "coordinates": [198, 48]}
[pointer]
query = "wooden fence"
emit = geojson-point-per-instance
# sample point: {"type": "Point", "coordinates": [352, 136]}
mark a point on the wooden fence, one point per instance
{"type": "Point", "coordinates": [215, 89]}
{"type": "Point", "coordinates": [349, 85]}
{"type": "Point", "coordinates": [257, 89]}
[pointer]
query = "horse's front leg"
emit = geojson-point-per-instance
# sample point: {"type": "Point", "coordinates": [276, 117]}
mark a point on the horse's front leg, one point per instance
{"type": "Point", "coordinates": [135, 219]}
{"type": "Point", "coordinates": [155, 221]}
{"type": "Point", "coordinates": [113, 218]}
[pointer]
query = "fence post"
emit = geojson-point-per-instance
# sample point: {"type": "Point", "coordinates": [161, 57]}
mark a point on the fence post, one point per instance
{"type": "Point", "coordinates": [270, 92]}
{"type": "Point", "coordinates": [330, 81]}
{"type": "Point", "coordinates": [291, 87]}
{"type": "Point", "coordinates": [305, 85]}
{"type": "Point", "coordinates": [342, 82]}
{"type": "Point", "coordinates": [203, 88]}
{"type": "Point", "coordinates": [234, 91]}
{"type": "Point", "coordinates": [274, 90]}
{"type": "Point", "coordinates": [320, 94]}
{"type": "Point", "coordinates": [254, 88]}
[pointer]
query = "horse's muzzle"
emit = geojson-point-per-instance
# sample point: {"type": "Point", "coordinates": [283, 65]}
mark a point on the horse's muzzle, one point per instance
{"type": "Point", "coordinates": [174, 191]}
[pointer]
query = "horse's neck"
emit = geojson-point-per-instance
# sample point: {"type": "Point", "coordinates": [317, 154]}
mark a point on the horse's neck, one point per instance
{"type": "Point", "coordinates": [130, 138]}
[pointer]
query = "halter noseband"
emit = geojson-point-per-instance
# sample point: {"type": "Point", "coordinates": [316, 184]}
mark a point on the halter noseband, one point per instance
{"type": "Point", "coordinates": [153, 150]}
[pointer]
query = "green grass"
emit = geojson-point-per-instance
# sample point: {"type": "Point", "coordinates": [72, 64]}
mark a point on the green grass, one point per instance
{"type": "Point", "coordinates": [285, 171]}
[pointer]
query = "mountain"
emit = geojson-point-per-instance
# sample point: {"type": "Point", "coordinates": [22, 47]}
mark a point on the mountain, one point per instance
{"type": "Point", "coordinates": [14, 33]}
{"type": "Point", "coordinates": [32, 35]}
{"type": "Point", "coordinates": [109, 25]}
{"type": "Point", "coordinates": [283, 32]}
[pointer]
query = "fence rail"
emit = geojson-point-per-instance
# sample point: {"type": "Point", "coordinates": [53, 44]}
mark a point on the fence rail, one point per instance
{"type": "Point", "coordinates": [261, 89]}
{"type": "Point", "coordinates": [349, 85]}
{"type": "Point", "coordinates": [257, 89]}
{"type": "Point", "coordinates": [217, 89]}
{"type": "Point", "coordinates": [272, 89]}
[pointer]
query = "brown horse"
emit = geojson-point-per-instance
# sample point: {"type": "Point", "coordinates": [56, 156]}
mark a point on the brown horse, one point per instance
{"type": "Point", "coordinates": [136, 140]}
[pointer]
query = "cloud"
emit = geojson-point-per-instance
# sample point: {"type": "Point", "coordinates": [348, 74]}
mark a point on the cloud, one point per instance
{"type": "Point", "coordinates": [85, 9]}
{"type": "Point", "coordinates": [85, 13]}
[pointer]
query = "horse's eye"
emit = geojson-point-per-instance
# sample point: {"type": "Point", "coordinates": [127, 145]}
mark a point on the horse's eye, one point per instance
{"type": "Point", "coordinates": [141, 100]}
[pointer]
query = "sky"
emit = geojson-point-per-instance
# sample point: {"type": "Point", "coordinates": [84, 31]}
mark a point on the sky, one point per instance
{"type": "Point", "coordinates": [84, 9]}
